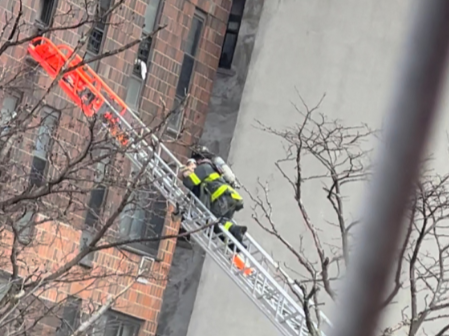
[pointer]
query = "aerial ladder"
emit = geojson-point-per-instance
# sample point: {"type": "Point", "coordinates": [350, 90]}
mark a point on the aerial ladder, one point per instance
{"type": "Point", "coordinates": [252, 269]}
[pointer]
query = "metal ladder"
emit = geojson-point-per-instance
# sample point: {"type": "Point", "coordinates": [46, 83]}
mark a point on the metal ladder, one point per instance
{"type": "Point", "coordinates": [267, 285]}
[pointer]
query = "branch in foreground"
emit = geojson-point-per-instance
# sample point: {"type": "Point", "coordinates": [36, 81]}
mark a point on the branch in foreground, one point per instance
{"type": "Point", "coordinates": [103, 309]}
{"type": "Point", "coordinates": [152, 239]}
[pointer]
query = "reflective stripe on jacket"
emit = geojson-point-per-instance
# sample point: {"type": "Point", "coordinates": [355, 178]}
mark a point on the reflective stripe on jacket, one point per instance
{"type": "Point", "coordinates": [205, 176]}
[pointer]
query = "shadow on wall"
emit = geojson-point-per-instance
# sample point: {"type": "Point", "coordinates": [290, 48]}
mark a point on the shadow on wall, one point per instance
{"type": "Point", "coordinates": [181, 291]}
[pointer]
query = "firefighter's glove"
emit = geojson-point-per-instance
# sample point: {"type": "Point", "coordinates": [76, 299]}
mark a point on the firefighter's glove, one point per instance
{"type": "Point", "coordinates": [236, 185]}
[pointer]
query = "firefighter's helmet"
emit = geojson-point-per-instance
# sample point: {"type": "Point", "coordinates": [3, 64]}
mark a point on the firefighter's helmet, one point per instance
{"type": "Point", "coordinates": [200, 152]}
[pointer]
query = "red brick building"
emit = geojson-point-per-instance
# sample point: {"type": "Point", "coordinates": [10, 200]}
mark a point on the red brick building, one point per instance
{"type": "Point", "coordinates": [181, 58]}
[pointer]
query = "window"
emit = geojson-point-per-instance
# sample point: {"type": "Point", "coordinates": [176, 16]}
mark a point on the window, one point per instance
{"type": "Point", "coordinates": [5, 284]}
{"type": "Point", "coordinates": [143, 54]}
{"type": "Point", "coordinates": [116, 324]}
{"type": "Point", "coordinates": [185, 76]}
{"type": "Point", "coordinates": [96, 201]}
{"type": "Point", "coordinates": [88, 56]}
{"type": "Point", "coordinates": [38, 170]}
{"type": "Point", "coordinates": [25, 227]}
{"type": "Point", "coordinates": [140, 69]}
{"type": "Point", "coordinates": [8, 112]}
{"type": "Point", "coordinates": [97, 196]}
{"type": "Point", "coordinates": [47, 11]}
{"type": "Point", "coordinates": [98, 193]}
{"type": "Point", "coordinates": [97, 34]}
{"type": "Point", "coordinates": [85, 239]}
{"type": "Point", "coordinates": [43, 144]}
{"type": "Point", "coordinates": [150, 17]}
{"type": "Point", "coordinates": [176, 118]}
{"type": "Point", "coordinates": [232, 32]}
{"type": "Point", "coordinates": [70, 317]}
{"type": "Point", "coordinates": [133, 93]}
{"type": "Point", "coordinates": [151, 13]}
{"type": "Point", "coordinates": [144, 217]}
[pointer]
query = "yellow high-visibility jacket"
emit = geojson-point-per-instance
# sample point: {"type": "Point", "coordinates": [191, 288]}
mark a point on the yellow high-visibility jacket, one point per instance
{"type": "Point", "coordinates": [209, 186]}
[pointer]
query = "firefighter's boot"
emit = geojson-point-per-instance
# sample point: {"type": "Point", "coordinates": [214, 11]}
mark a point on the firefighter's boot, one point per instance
{"type": "Point", "coordinates": [238, 232]}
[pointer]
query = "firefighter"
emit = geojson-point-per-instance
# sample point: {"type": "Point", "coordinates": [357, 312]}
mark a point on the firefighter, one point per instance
{"type": "Point", "coordinates": [207, 183]}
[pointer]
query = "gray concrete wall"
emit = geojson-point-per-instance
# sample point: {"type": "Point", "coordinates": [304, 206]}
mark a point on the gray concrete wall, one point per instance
{"type": "Point", "coordinates": [347, 49]}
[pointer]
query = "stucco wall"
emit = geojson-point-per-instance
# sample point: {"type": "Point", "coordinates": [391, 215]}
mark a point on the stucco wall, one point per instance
{"type": "Point", "coordinates": [346, 49]}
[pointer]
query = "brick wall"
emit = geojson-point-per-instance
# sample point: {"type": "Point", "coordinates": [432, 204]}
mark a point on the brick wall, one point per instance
{"type": "Point", "coordinates": [58, 241]}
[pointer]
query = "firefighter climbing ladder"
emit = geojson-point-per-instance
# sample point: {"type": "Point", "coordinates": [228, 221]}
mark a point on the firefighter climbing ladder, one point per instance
{"type": "Point", "coordinates": [256, 273]}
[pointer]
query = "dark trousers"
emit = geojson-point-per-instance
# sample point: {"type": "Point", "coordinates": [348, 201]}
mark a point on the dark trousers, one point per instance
{"type": "Point", "coordinates": [235, 230]}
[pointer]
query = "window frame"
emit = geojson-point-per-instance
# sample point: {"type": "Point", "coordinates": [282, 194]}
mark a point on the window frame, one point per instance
{"type": "Point", "coordinates": [146, 31]}
{"type": "Point", "coordinates": [141, 84]}
{"type": "Point", "coordinates": [42, 156]}
{"type": "Point", "coordinates": [18, 96]}
{"type": "Point", "coordinates": [111, 316]}
{"type": "Point", "coordinates": [90, 219]}
{"type": "Point", "coordinates": [102, 167]}
{"type": "Point", "coordinates": [25, 225]}
{"type": "Point", "coordinates": [155, 214]}
{"type": "Point", "coordinates": [96, 28]}
{"type": "Point", "coordinates": [233, 18]}
{"type": "Point", "coordinates": [174, 123]}
{"type": "Point", "coordinates": [51, 11]}
{"type": "Point", "coordinates": [145, 59]}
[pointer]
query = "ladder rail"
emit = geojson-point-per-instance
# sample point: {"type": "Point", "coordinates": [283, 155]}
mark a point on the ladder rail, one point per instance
{"type": "Point", "coordinates": [199, 204]}
{"type": "Point", "coordinates": [287, 277]}
{"type": "Point", "coordinates": [270, 295]}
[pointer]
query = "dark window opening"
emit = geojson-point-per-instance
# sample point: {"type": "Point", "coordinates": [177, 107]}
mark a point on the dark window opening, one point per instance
{"type": "Point", "coordinates": [194, 37]}
{"type": "Point", "coordinates": [232, 31]}
{"type": "Point", "coordinates": [48, 7]}
{"type": "Point", "coordinates": [97, 35]}
{"type": "Point", "coordinates": [95, 40]}
{"type": "Point", "coordinates": [145, 218]}
{"type": "Point", "coordinates": [185, 241]}
{"type": "Point", "coordinates": [116, 324]}
{"type": "Point", "coordinates": [188, 63]}
{"type": "Point", "coordinates": [96, 201]}
{"type": "Point", "coordinates": [38, 170]}
{"type": "Point", "coordinates": [185, 76]}
{"type": "Point", "coordinates": [143, 53]}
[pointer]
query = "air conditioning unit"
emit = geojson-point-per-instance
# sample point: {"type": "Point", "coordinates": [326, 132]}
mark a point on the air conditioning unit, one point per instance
{"type": "Point", "coordinates": [145, 268]}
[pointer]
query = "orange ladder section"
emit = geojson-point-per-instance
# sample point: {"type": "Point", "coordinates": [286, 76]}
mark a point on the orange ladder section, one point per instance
{"type": "Point", "coordinates": [84, 87]}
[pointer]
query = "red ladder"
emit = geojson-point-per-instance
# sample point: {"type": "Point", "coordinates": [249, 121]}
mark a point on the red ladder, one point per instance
{"type": "Point", "coordinates": [84, 87]}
